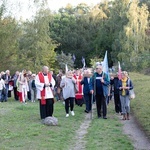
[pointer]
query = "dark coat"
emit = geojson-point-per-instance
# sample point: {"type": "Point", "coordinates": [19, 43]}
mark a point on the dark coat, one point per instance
{"type": "Point", "coordinates": [86, 89]}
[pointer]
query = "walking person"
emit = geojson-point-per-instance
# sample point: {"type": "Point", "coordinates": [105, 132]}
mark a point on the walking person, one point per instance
{"type": "Point", "coordinates": [33, 88]}
{"type": "Point", "coordinates": [99, 86]}
{"type": "Point", "coordinates": [86, 90]}
{"type": "Point", "coordinates": [124, 85]}
{"type": "Point", "coordinates": [2, 88]}
{"type": "Point", "coordinates": [114, 88]}
{"type": "Point", "coordinates": [22, 86]}
{"type": "Point", "coordinates": [7, 78]}
{"type": "Point", "coordinates": [14, 79]}
{"type": "Point", "coordinates": [45, 83]}
{"type": "Point", "coordinates": [79, 95]}
{"type": "Point", "coordinates": [68, 87]}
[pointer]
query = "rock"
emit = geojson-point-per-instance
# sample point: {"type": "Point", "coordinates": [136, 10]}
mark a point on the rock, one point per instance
{"type": "Point", "coordinates": [50, 121]}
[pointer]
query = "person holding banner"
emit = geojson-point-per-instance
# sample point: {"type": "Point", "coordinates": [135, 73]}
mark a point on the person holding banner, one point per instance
{"type": "Point", "coordinates": [99, 86]}
{"type": "Point", "coordinates": [45, 83]}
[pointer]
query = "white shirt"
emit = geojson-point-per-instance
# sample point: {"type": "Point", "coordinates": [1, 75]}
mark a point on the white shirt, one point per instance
{"type": "Point", "coordinates": [40, 86]}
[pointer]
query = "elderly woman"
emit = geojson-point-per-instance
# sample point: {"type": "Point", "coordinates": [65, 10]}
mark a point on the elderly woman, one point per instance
{"type": "Point", "coordinates": [124, 85]}
{"type": "Point", "coordinates": [68, 86]}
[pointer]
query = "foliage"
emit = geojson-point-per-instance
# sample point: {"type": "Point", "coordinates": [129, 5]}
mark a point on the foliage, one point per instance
{"type": "Point", "coordinates": [36, 48]}
{"type": "Point", "coordinates": [63, 60]}
{"type": "Point", "coordinates": [9, 33]}
{"type": "Point", "coordinates": [121, 27]}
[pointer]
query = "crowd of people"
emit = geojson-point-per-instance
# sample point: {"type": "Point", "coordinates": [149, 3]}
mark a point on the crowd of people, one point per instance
{"type": "Point", "coordinates": [71, 87]}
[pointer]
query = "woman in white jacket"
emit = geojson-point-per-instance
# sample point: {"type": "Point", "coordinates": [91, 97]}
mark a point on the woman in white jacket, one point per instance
{"type": "Point", "coordinates": [22, 86]}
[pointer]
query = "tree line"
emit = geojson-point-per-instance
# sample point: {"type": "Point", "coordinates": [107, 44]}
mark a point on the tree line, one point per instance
{"type": "Point", "coordinates": [122, 27]}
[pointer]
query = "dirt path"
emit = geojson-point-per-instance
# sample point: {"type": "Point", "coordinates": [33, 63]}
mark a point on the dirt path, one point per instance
{"type": "Point", "coordinates": [82, 131]}
{"type": "Point", "coordinates": [137, 136]}
{"type": "Point", "coordinates": [130, 128]}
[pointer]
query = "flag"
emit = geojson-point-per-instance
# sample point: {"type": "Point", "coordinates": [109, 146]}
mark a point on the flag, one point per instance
{"type": "Point", "coordinates": [105, 64]}
{"type": "Point", "coordinates": [119, 71]}
{"type": "Point", "coordinates": [66, 68]}
{"type": "Point", "coordinates": [73, 58]}
{"type": "Point", "coordinates": [83, 62]}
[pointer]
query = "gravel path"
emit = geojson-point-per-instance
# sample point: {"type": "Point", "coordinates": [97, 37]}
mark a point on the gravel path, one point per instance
{"type": "Point", "coordinates": [82, 131]}
{"type": "Point", "coordinates": [139, 139]}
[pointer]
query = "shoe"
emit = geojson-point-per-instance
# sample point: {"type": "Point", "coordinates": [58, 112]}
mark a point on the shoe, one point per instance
{"type": "Point", "coordinates": [99, 117]}
{"type": "Point", "coordinates": [86, 111]}
{"type": "Point", "coordinates": [72, 113]}
{"type": "Point", "coordinates": [104, 117]}
{"type": "Point", "coordinates": [67, 115]}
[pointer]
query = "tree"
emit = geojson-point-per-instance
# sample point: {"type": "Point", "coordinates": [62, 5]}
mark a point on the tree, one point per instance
{"type": "Point", "coordinates": [36, 46]}
{"type": "Point", "coordinates": [63, 59]}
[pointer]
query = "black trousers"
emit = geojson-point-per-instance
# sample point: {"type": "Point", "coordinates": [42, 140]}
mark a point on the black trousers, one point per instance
{"type": "Point", "coordinates": [47, 109]}
{"type": "Point", "coordinates": [101, 103]}
{"type": "Point", "coordinates": [16, 94]}
{"type": "Point", "coordinates": [68, 101]}
{"type": "Point", "coordinates": [117, 103]}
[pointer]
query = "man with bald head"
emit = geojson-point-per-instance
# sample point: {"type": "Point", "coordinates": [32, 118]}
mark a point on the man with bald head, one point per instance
{"type": "Point", "coordinates": [45, 83]}
{"type": "Point", "coordinates": [99, 86]}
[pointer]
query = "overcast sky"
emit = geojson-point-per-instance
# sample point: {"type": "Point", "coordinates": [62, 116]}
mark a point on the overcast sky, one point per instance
{"type": "Point", "coordinates": [26, 9]}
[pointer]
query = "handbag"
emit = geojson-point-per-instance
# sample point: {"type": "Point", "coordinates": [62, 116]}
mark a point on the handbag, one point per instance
{"type": "Point", "coordinates": [131, 94]}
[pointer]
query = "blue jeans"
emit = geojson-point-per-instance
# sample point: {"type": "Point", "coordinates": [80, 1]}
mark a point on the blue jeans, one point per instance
{"type": "Point", "coordinates": [87, 99]}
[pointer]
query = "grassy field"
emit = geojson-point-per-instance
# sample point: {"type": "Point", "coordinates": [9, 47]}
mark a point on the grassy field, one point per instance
{"type": "Point", "coordinates": [107, 134]}
{"type": "Point", "coordinates": [21, 129]}
{"type": "Point", "coordinates": [141, 104]}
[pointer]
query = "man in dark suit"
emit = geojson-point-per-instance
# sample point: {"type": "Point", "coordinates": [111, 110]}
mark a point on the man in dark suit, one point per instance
{"type": "Point", "coordinates": [99, 86]}
{"type": "Point", "coordinates": [86, 90]}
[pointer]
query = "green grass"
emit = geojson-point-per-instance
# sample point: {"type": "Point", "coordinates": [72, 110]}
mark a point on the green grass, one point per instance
{"type": "Point", "coordinates": [107, 134]}
{"type": "Point", "coordinates": [141, 104]}
{"type": "Point", "coordinates": [20, 127]}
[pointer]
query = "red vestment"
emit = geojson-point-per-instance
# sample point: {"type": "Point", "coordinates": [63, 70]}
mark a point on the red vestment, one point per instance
{"type": "Point", "coordinates": [79, 95]}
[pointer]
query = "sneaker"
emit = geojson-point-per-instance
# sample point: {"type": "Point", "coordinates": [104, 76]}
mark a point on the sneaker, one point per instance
{"type": "Point", "coordinates": [67, 115]}
{"type": "Point", "coordinates": [104, 117]}
{"type": "Point", "coordinates": [72, 113]}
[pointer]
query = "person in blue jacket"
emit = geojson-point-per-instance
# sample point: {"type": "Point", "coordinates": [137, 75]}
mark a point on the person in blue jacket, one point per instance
{"type": "Point", "coordinates": [99, 85]}
{"type": "Point", "coordinates": [86, 90]}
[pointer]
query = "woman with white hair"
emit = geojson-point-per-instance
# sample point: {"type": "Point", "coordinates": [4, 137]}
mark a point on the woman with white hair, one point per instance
{"type": "Point", "coordinates": [22, 86]}
{"type": "Point", "coordinates": [68, 87]}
